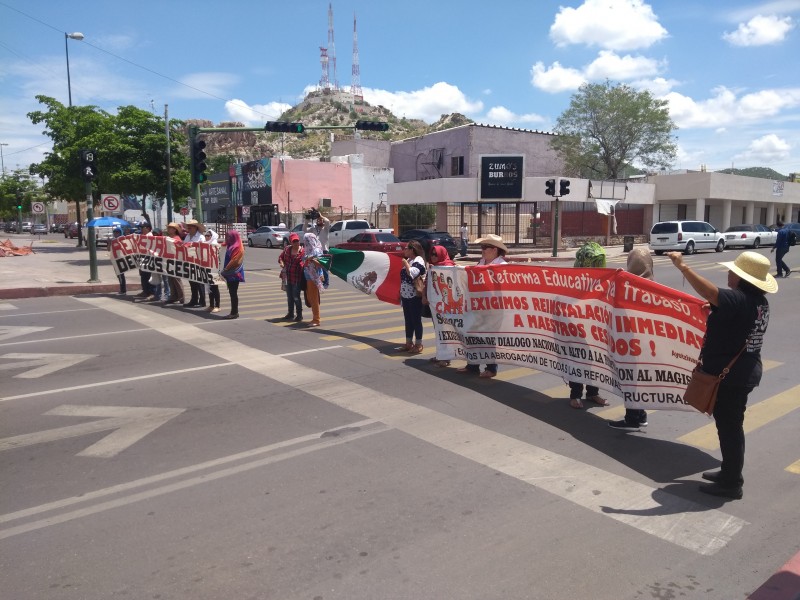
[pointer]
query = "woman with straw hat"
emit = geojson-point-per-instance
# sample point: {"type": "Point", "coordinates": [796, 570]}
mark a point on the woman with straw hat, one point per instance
{"type": "Point", "coordinates": [493, 252]}
{"type": "Point", "coordinates": [736, 324]}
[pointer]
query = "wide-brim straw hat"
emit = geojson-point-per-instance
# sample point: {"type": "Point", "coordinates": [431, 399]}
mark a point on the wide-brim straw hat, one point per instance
{"type": "Point", "coordinates": [176, 226]}
{"type": "Point", "coordinates": [754, 269]}
{"type": "Point", "coordinates": [492, 240]}
{"type": "Point", "coordinates": [194, 222]}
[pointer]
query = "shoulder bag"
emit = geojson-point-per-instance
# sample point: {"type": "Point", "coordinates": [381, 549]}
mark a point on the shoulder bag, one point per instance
{"type": "Point", "coordinates": [703, 387]}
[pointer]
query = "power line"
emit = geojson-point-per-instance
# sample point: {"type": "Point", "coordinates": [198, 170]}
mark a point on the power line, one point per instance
{"type": "Point", "coordinates": [130, 62]}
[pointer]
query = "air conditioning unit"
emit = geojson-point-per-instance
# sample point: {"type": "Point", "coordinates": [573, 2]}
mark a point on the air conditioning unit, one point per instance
{"type": "Point", "coordinates": [326, 202]}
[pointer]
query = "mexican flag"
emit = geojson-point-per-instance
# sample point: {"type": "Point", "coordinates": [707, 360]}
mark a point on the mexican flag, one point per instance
{"type": "Point", "coordinates": [374, 273]}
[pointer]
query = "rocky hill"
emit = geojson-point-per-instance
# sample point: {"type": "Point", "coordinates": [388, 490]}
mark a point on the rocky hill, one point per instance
{"type": "Point", "coordinates": [314, 144]}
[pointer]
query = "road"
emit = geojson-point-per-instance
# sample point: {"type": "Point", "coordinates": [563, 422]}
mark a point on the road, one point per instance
{"type": "Point", "coordinates": [152, 452]}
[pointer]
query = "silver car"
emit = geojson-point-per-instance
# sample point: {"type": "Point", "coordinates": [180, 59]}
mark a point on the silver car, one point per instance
{"type": "Point", "coordinates": [269, 236]}
{"type": "Point", "coordinates": [749, 236]}
{"type": "Point", "coordinates": [685, 236]}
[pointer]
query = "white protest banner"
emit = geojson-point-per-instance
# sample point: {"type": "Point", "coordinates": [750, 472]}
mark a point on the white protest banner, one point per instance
{"type": "Point", "coordinates": [195, 261]}
{"type": "Point", "coordinates": [629, 336]}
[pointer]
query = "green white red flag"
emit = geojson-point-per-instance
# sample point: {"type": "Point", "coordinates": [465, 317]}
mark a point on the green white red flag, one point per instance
{"type": "Point", "coordinates": [374, 273]}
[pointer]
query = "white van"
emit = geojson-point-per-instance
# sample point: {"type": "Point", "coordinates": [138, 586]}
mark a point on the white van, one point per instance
{"type": "Point", "coordinates": [685, 236]}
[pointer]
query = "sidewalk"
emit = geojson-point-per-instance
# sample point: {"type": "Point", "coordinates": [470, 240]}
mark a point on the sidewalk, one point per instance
{"type": "Point", "coordinates": [57, 268]}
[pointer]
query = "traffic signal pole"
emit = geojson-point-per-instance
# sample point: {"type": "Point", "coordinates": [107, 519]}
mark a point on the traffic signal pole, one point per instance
{"type": "Point", "coordinates": [92, 239]}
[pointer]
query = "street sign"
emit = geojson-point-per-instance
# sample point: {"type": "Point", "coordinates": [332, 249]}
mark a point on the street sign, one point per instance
{"type": "Point", "coordinates": [37, 208]}
{"type": "Point", "coordinates": [184, 211]}
{"type": "Point", "coordinates": [111, 202]}
{"type": "Point", "coordinates": [245, 211]}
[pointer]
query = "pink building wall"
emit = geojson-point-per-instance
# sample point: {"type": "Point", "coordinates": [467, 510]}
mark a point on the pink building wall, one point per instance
{"type": "Point", "coordinates": [301, 184]}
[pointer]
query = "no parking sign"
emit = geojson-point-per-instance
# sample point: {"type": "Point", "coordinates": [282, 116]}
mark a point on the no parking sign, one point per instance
{"type": "Point", "coordinates": [110, 202]}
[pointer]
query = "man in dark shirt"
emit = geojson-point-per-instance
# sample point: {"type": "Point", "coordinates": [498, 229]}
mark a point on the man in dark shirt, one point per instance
{"type": "Point", "coordinates": [781, 247]}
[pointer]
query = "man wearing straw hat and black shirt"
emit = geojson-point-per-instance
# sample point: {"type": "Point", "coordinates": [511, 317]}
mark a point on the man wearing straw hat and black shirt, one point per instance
{"type": "Point", "coordinates": [195, 234]}
{"type": "Point", "coordinates": [736, 325]}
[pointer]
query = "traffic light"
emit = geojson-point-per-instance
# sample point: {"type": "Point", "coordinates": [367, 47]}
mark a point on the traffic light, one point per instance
{"type": "Point", "coordinates": [88, 164]}
{"type": "Point", "coordinates": [372, 126]}
{"type": "Point", "coordinates": [550, 187]}
{"type": "Point", "coordinates": [199, 165]}
{"type": "Point", "coordinates": [564, 187]}
{"type": "Point", "coordinates": [284, 127]}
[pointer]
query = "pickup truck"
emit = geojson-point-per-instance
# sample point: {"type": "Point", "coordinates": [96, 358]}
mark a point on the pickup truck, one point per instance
{"type": "Point", "coordinates": [344, 231]}
{"type": "Point", "coordinates": [375, 242]}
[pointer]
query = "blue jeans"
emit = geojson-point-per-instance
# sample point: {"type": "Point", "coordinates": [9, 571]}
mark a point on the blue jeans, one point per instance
{"type": "Point", "coordinates": [412, 312]}
{"type": "Point", "coordinates": [463, 247]}
{"type": "Point", "coordinates": [779, 254]}
{"type": "Point", "coordinates": [293, 299]}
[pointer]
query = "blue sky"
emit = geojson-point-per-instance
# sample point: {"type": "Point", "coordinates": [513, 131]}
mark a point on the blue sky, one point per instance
{"type": "Point", "coordinates": [728, 69]}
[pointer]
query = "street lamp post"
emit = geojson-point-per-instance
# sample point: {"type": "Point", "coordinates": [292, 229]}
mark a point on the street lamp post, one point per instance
{"type": "Point", "coordinates": [67, 36]}
{"type": "Point", "coordinates": [2, 161]}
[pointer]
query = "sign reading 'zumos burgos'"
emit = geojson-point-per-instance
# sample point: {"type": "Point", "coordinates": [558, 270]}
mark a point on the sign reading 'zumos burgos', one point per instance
{"type": "Point", "coordinates": [501, 177]}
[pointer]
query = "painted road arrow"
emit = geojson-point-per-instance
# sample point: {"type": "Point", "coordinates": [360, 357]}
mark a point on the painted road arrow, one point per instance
{"type": "Point", "coordinates": [132, 423]}
{"type": "Point", "coordinates": [45, 363]}
{"type": "Point", "coordinates": [11, 331]}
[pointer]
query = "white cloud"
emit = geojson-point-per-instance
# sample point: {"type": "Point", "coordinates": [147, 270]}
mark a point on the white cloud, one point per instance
{"type": "Point", "coordinates": [256, 114]}
{"type": "Point", "coordinates": [766, 149]}
{"type": "Point", "coordinates": [760, 31]}
{"type": "Point", "coordinates": [725, 108]}
{"type": "Point", "coordinates": [428, 104]}
{"type": "Point", "coordinates": [747, 12]}
{"type": "Point", "coordinates": [609, 65]}
{"type": "Point", "coordinates": [612, 24]}
{"type": "Point", "coordinates": [555, 78]}
{"type": "Point", "coordinates": [657, 86]}
{"type": "Point", "coordinates": [500, 115]}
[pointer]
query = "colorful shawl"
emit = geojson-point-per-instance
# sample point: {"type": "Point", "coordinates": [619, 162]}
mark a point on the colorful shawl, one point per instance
{"type": "Point", "coordinates": [313, 247]}
{"type": "Point", "coordinates": [233, 268]}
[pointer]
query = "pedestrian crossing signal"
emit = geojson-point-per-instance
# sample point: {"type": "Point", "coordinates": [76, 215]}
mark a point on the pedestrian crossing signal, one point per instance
{"type": "Point", "coordinates": [88, 164]}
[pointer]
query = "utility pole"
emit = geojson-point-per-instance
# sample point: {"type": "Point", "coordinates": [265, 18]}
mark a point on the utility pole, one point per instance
{"type": "Point", "coordinates": [169, 167]}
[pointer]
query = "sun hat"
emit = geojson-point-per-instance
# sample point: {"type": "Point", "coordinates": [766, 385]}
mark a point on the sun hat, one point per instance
{"type": "Point", "coordinates": [175, 226]}
{"type": "Point", "coordinates": [754, 269]}
{"type": "Point", "coordinates": [194, 223]}
{"type": "Point", "coordinates": [492, 240]}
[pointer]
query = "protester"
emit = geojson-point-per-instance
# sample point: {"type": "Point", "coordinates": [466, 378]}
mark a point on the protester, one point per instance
{"type": "Point", "coordinates": [312, 271]}
{"type": "Point", "coordinates": [321, 227]}
{"type": "Point", "coordinates": [175, 285]}
{"type": "Point", "coordinates": [780, 248]}
{"type": "Point", "coordinates": [211, 237]}
{"type": "Point", "coordinates": [464, 238]}
{"type": "Point", "coordinates": [413, 267]}
{"type": "Point", "coordinates": [291, 262]}
{"type": "Point", "coordinates": [737, 322]}
{"type": "Point", "coordinates": [639, 263]}
{"type": "Point", "coordinates": [493, 252]}
{"type": "Point", "coordinates": [148, 291]}
{"type": "Point", "coordinates": [590, 255]}
{"type": "Point", "coordinates": [438, 257]}
{"type": "Point", "coordinates": [123, 286]}
{"type": "Point", "coordinates": [195, 234]}
{"type": "Point", "coordinates": [233, 269]}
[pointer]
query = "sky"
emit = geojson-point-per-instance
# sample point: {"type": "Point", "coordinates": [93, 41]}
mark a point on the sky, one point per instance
{"type": "Point", "coordinates": [729, 70]}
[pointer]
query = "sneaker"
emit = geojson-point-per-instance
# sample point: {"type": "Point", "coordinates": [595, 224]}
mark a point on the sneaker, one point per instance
{"type": "Point", "coordinates": [623, 425]}
{"type": "Point", "coordinates": [643, 422]}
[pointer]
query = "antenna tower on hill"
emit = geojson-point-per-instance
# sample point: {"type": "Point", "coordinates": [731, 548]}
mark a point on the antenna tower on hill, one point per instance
{"type": "Point", "coordinates": [355, 87]}
{"type": "Point", "coordinates": [332, 47]}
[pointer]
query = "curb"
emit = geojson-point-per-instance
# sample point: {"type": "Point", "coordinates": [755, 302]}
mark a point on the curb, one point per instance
{"type": "Point", "coordinates": [783, 585]}
{"type": "Point", "coordinates": [61, 290]}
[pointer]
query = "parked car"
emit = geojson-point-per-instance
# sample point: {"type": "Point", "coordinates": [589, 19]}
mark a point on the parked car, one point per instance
{"type": "Point", "coordinates": [71, 230]}
{"type": "Point", "coordinates": [429, 237]}
{"type": "Point", "coordinates": [269, 236]}
{"type": "Point", "coordinates": [39, 228]}
{"type": "Point", "coordinates": [685, 236]}
{"type": "Point", "coordinates": [376, 242]}
{"type": "Point", "coordinates": [749, 235]}
{"type": "Point", "coordinates": [27, 226]}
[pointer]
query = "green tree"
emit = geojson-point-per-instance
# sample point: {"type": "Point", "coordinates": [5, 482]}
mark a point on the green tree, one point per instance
{"type": "Point", "coordinates": [415, 216]}
{"type": "Point", "coordinates": [14, 187]}
{"type": "Point", "coordinates": [608, 127]}
{"type": "Point", "coordinates": [131, 147]}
